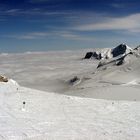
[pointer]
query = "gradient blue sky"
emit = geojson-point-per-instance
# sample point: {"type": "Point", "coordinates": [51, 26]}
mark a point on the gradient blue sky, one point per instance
{"type": "Point", "coordinates": [41, 25]}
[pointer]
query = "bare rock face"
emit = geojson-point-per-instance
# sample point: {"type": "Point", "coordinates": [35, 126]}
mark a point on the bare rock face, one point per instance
{"type": "Point", "coordinates": [120, 50]}
{"type": "Point", "coordinates": [3, 79]}
{"type": "Point", "coordinates": [95, 55]}
{"type": "Point", "coordinates": [88, 55]}
{"type": "Point", "coordinates": [74, 80]}
{"type": "Point", "coordinates": [137, 48]}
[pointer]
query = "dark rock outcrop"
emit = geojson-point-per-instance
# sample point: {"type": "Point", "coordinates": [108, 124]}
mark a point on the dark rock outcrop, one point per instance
{"type": "Point", "coordinates": [121, 49]}
{"type": "Point", "coordinates": [88, 55]}
{"type": "Point", "coordinates": [3, 79]}
{"type": "Point", "coordinates": [74, 79]}
{"type": "Point", "coordinates": [93, 55]}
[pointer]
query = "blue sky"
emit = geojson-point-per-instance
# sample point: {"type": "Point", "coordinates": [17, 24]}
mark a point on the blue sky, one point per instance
{"type": "Point", "coordinates": [41, 25]}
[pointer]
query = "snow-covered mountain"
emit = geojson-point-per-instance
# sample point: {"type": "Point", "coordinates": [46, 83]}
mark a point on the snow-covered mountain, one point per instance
{"type": "Point", "coordinates": [126, 54]}
{"type": "Point", "coordinates": [108, 53]}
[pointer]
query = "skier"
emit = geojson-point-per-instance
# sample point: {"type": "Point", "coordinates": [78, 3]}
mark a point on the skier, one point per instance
{"type": "Point", "coordinates": [23, 107]}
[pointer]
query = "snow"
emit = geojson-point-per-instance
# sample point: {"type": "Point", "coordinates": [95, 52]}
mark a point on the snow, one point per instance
{"type": "Point", "coordinates": [61, 117]}
{"type": "Point", "coordinates": [12, 86]}
{"type": "Point", "coordinates": [101, 105]}
{"type": "Point", "coordinates": [133, 82]}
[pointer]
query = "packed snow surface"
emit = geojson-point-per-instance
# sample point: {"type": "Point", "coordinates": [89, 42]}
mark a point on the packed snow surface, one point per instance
{"type": "Point", "coordinates": [48, 116]}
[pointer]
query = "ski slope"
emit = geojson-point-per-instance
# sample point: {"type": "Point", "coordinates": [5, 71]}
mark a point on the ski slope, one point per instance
{"type": "Point", "coordinates": [52, 116]}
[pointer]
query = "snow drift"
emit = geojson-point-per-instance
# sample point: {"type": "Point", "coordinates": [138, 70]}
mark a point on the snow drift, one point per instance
{"type": "Point", "coordinates": [9, 86]}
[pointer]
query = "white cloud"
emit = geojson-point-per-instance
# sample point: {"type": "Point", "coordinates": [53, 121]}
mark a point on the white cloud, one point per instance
{"type": "Point", "coordinates": [128, 23]}
{"type": "Point", "coordinates": [72, 36]}
{"type": "Point", "coordinates": [28, 36]}
{"type": "Point", "coordinates": [53, 34]}
{"type": "Point", "coordinates": [32, 12]}
{"type": "Point", "coordinates": [117, 5]}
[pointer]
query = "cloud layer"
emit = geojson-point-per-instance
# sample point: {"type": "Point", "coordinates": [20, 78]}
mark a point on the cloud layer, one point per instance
{"type": "Point", "coordinates": [129, 23]}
